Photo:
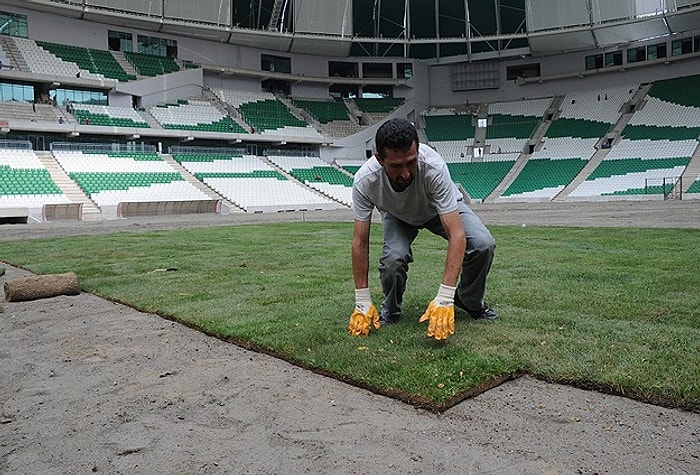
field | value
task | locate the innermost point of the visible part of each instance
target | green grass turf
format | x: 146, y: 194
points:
x: 617, y: 310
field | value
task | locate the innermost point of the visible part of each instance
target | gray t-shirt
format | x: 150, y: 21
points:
x: 431, y: 193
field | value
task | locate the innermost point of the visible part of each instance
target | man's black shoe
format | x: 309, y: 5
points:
x: 385, y: 319
x: 484, y: 313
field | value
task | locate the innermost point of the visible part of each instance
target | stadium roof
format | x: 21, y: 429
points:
x: 433, y: 30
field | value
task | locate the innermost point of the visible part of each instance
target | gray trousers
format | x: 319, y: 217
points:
x: 397, y: 255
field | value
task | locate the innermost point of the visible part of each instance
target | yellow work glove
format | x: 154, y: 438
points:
x: 364, y: 316
x: 441, y: 314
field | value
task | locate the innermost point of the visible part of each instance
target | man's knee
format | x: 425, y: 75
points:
x: 393, y: 264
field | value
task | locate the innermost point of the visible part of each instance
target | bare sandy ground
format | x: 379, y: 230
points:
x: 89, y: 386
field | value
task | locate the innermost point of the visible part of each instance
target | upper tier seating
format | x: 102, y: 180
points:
x: 41, y: 61
x: 513, y: 123
x: 195, y: 114
x: 111, y: 178
x: 92, y: 114
x: 265, y: 114
x: 323, y: 110
x: 332, y: 115
x: 380, y: 105
x: 599, y: 105
x: 25, y: 182
x: 448, y: 133
x: 582, y: 128
x: 151, y: 65
x: 566, y: 147
x: 99, y: 62
x: 376, y: 109
x: 671, y: 111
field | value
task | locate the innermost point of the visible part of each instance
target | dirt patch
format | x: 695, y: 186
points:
x: 93, y: 386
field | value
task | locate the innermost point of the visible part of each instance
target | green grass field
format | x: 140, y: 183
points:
x: 617, y: 310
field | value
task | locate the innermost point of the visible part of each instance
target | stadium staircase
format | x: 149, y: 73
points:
x: 226, y: 109
x: 690, y: 174
x: 587, y: 169
x: 508, y: 179
x: 289, y: 176
x: 125, y: 64
x: 69, y: 187
x: 13, y: 53
x: 167, y: 158
x: 149, y: 119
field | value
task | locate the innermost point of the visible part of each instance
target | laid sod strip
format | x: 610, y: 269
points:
x: 617, y: 310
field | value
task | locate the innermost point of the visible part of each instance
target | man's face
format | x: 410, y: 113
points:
x: 400, y: 166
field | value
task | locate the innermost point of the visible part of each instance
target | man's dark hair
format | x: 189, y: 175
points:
x: 395, y: 134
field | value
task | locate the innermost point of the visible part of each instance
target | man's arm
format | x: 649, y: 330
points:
x: 457, y: 243
x: 360, y: 253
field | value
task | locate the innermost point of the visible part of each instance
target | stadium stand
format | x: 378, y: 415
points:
x: 110, y: 178
x: 513, y: 123
x: 316, y: 174
x: 637, y: 168
x: 25, y: 181
x: 91, y: 114
x: 195, y: 114
x: 250, y: 183
x: 98, y: 62
x: 479, y: 179
x: 42, y: 61
x: 151, y: 65
x: 448, y: 133
x: 332, y: 116
x: 265, y: 114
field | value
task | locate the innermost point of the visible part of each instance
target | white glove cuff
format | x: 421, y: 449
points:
x: 445, y: 296
x: 363, y: 300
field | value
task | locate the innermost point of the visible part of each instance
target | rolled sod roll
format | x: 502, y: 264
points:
x: 41, y: 286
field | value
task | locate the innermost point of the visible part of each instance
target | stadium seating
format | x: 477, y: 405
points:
x: 316, y: 174
x: 25, y: 182
x: 479, y: 179
x: 265, y: 114
x: 598, y: 105
x: 448, y: 133
x: 92, y: 114
x: 111, y: 178
x: 251, y: 184
x: 543, y: 179
x: 42, y: 61
x: 636, y: 168
x: 151, y: 65
x: 99, y: 62
x: 350, y: 165
x: 195, y: 114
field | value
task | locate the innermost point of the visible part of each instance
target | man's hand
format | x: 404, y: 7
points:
x: 364, y: 316
x: 441, y: 314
